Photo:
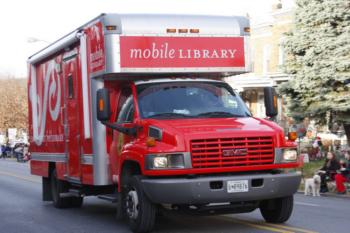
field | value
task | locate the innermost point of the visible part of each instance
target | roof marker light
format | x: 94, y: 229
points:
x: 182, y: 30
x: 194, y: 30
x: 111, y: 27
x: 170, y: 30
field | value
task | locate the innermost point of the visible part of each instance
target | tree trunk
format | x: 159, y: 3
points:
x: 347, y: 131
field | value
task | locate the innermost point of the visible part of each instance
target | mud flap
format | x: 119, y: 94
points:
x: 46, y: 189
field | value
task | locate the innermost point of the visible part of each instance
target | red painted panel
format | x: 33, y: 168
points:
x: 72, y: 94
x: 61, y: 169
x: 161, y: 52
x: 45, y: 100
x: 87, y: 174
x: 39, y: 168
x: 95, y: 47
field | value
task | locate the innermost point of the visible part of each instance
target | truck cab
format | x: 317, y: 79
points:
x: 134, y: 109
x: 192, y: 143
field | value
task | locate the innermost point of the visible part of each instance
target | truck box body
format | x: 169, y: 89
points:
x: 154, y: 76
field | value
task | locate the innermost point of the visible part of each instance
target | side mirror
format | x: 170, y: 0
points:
x: 103, y: 108
x: 270, y: 101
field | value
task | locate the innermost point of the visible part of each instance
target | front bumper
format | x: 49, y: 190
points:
x: 198, y: 190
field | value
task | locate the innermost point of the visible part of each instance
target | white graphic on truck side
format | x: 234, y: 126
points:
x: 52, y: 90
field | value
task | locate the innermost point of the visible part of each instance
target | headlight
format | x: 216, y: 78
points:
x: 285, y: 155
x: 168, y: 161
x: 290, y: 155
x: 160, y: 162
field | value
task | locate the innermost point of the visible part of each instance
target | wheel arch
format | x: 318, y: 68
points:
x: 128, y: 168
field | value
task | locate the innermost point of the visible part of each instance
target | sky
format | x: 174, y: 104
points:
x: 46, y: 20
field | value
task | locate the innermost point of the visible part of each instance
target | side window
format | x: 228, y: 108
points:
x: 126, y: 107
x: 70, y: 87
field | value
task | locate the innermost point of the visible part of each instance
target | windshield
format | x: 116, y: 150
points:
x: 189, y: 100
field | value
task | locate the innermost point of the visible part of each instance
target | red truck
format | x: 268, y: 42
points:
x: 133, y: 109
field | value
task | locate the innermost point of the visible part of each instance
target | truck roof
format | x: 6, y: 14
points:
x: 158, y: 23
x: 143, y: 24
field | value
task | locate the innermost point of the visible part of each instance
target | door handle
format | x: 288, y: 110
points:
x: 62, y: 115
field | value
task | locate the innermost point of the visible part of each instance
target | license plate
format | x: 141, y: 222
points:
x: 237, y: 186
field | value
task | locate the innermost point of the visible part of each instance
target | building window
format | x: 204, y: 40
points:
x: 266, y: 58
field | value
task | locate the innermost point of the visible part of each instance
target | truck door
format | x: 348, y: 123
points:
x: 72, y: 122
x: 125, y: 116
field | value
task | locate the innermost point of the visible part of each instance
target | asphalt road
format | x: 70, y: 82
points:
x: 22, y: 211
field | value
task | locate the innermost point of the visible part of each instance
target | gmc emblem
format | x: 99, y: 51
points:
x: 234, y: 152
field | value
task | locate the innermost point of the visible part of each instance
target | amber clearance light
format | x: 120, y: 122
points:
x: 182, y: 30
x: 194, y: 30
x: 151, y: 141
x: 171, y: 30
x: 101, y: 105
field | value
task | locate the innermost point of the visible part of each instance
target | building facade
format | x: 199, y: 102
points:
x: 267, y: 53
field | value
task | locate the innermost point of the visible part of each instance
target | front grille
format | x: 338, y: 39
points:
x: 232, y: 152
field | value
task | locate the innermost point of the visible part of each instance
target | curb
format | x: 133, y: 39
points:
x: 345, y: 196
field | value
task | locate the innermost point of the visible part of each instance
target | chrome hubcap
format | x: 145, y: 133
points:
x: 132, y: 204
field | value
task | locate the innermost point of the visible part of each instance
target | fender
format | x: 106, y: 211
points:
x: 129, y: 155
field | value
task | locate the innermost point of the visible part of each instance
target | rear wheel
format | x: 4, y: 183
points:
x: 277, y: 210
x: 76, y: 202
x: 58, y: 187
x: 140, y: 212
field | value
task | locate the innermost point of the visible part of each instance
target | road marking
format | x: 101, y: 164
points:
x: 290, y: 228
x: 270, y: 226
x: 307, y: 204
x: 20, y: 177
x: 258, y: 226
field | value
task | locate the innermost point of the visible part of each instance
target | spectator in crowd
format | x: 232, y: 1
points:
x: 343, y: 174
x: 318, y: 148
x: 18, y: 150
x: 328, y: 171
x: 5, y: 149
x: 339, y: 155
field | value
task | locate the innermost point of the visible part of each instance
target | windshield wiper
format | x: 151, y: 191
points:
x: 169, y: 115
x: 218, y: 114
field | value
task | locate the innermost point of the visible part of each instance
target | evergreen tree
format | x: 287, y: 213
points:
x: 318, y: 61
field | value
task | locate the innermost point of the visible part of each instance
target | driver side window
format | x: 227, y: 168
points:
x: 126, y: 107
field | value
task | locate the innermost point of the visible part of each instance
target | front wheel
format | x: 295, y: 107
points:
x: 140, y: 212
x: 277, y: 210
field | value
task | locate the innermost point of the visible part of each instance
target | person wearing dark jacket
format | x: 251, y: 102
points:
x: 328, y: 170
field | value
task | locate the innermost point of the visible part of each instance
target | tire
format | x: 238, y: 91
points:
x: 76, y: 202
x: 277, y: 210
x: 140, y: 212
x: 58, y: 187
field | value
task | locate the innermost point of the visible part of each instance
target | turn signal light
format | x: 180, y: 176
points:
x: 246, y: 29
x: 292, y: 136
x: 101, y: 105
x: 151, y: 141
